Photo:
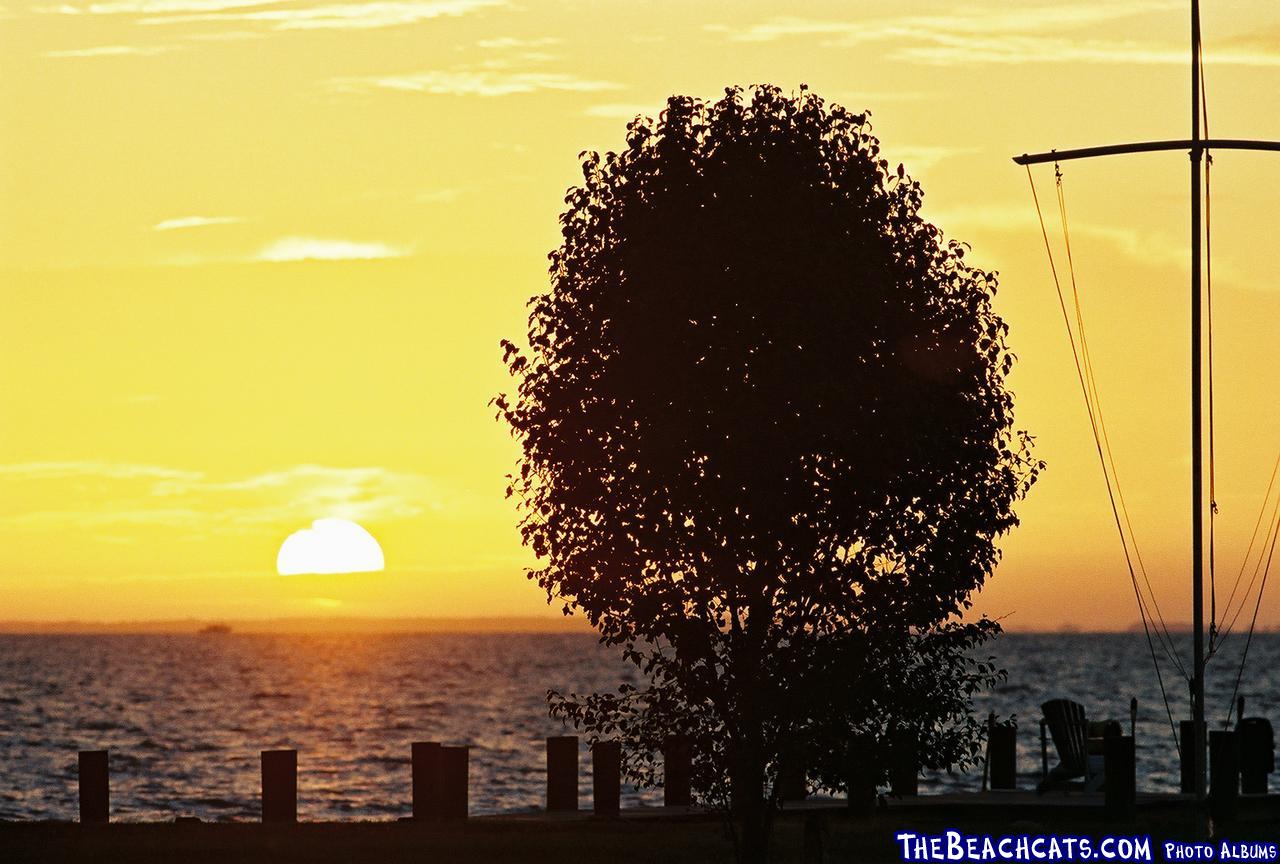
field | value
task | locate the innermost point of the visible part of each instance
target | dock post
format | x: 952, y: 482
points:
x: 1257, y: 754
x: 279, y: 785
x: 95, y: 787
x: 677, y: 772
x: 1121, y: 788
x: 606, y: 778
x: 426, y: 780
x: 454, y: 774
x: 1224, y: 774
x: 1190, y: 754
x: 562, y: 773
x: 904, y: 771
x: 1002, y: 747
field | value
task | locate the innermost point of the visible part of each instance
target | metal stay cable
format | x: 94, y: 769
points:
x: 1163, y: 632
x: 1244, y: 563
x: 1084, y: 389
x: 1257, y: 604
x: 1273, y: 527
x: 1215, y: 639
x: 1208, y: 272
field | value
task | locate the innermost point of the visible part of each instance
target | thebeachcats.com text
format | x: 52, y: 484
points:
x: 957, y: 846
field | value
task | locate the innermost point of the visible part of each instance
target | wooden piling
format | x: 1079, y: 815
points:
x: 454, y: 775
x: 1191, y: 753
x: 1257, y: 754
x: 95, y: 787
x: 426, y: 780
x: 279, y: 785
x: 1120, y: 784
x: 1002, y: 750
x: 562, y: 773
x: 606, y: 778
x: 1224, y: 775
x: 677, y: 772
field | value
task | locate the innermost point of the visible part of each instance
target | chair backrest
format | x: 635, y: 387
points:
x: 1070, y: 731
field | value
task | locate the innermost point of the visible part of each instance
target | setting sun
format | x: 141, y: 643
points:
x: 307, y: 212
x: 714, y: 376
x: 329, y: 546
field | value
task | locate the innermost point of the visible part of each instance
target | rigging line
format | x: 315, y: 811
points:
x: 1208, y: 267
x: 1066, y: 320
x: 1254, y: 623
x: 1204, y: 91
x: 1244, y: 564
x: 1213, y: 494
x: 1273, y: 528
x: 1167, y: 643
x: 1166, y: 639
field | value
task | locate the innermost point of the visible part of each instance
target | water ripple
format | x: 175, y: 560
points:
x: 186, y: 716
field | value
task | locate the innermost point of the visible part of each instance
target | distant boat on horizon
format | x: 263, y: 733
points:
x: 215, y: 630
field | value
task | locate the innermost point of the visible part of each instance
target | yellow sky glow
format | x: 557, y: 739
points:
x: 256, y: 257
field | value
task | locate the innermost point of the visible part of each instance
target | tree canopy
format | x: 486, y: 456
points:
x: 768, y: 446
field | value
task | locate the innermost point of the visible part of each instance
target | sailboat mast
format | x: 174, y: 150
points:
x: 1197, y: 433
x: 1198, y: 146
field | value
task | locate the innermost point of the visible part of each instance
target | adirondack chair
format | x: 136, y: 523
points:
x: 1080, y: 745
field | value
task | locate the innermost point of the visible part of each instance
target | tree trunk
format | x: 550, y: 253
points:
x: 749, y: 806
x: 754, y: 826
x: 747, y: 780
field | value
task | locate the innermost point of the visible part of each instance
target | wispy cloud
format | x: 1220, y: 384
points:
x: 224, y: 36
x: 108, y: 494
x: 113, y: 51
x: 622, y: 110
x: 276, y: 14
x: 476, y: 82
x: 437, y: 196
x: 318, y: 249
x: 337, y: 16
x: 1003, y: 34
x: 1012, y: 18
x: 503, y: 42
x: 89, y: 468
x: 922, y: 158
x: 1148, y: 248
x: 154, y: 7
x: 349, y: 493
x: 182, y: 222
x: 948, y: 50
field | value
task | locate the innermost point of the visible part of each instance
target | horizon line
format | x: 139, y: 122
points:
x: 303, y: 624
x: 405, y: 624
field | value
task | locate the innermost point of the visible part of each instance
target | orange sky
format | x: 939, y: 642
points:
x: 256, y: 257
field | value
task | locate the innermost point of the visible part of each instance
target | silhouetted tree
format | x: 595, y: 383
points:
x: 768, y: 447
